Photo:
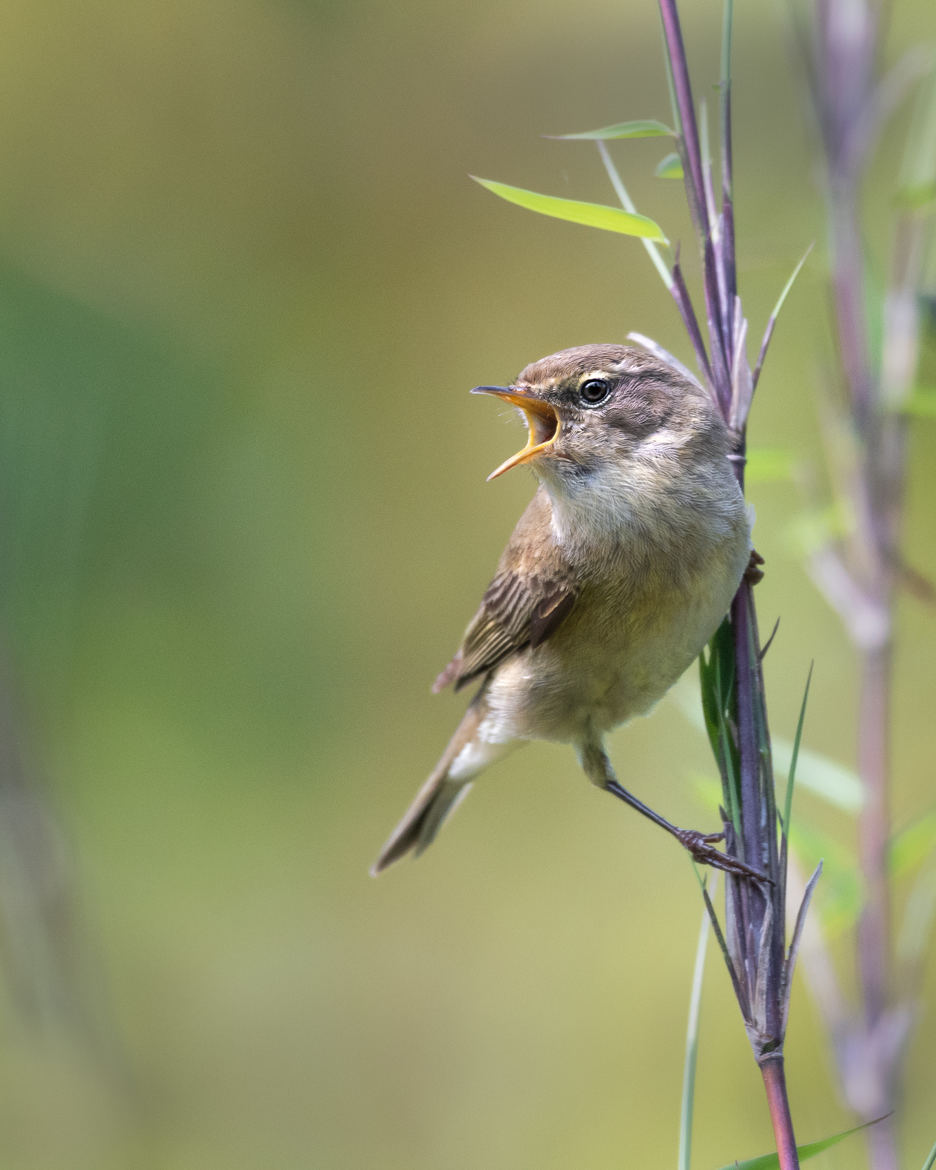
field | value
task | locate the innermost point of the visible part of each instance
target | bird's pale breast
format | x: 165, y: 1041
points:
x: 628, y: 640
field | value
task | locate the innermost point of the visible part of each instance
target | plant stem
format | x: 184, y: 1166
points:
x: 772, y: 1070
x: 874, y: 928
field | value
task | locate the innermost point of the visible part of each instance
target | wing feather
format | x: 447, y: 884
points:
x: 532, y: 593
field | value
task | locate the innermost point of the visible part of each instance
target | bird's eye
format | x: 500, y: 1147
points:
x: 593, y: 391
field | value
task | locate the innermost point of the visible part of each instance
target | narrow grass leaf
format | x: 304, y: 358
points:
x: 645, y: 128
x: 920, y: 198
x: 794, y: 756
x: 664, y: 355
x: 918, y: 170
x: 627, y: 203
x: 692, y: 1047
x: 913, y: 844
x: 739, y: 991
x: 775, y: 313
x: 931, y: 1160
x: 772, y: 1162
x: 916, y: 928
x: 727, y: 162
x: 842, y: 892
x: 825, y: 778
x: 670, y: 167
x: 598, y: 215
x: 790, y: 965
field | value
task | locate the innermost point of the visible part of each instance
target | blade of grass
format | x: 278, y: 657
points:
x: 644, y: 128
x: 772, y: 319
x: 726, y: 155
x: 723, y: 946
x: 664, y: 355
x: 692, y: 1047
x: 627, y: 203
x: 790, y: 964
x: 809, y: 1150
x: 791, y: 775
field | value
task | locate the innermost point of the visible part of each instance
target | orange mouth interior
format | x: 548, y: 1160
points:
x: 543, y: 423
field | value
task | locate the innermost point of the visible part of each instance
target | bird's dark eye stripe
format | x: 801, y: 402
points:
x: 594, y: 390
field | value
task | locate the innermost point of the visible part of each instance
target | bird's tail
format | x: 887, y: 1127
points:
x: 467, y: 753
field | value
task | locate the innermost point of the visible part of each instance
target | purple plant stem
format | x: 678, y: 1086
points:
x: 690, y: 133
x: 848, y: 295
x: 775, y: 1087
x: 874, y: 831
x: 755, y: 912
x: 870, y: 1042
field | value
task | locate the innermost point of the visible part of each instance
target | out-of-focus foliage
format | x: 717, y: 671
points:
x: 245, y: 284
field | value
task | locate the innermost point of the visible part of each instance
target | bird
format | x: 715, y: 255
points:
x: 617, y: 574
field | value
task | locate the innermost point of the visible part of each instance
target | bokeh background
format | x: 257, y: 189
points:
x: 245, y: 284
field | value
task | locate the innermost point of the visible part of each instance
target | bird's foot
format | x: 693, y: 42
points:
x: 754, y: 573
x: 702, y: 849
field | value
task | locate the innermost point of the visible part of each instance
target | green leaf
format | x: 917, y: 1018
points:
x: 916, y: 927
x: 647, y: 128
x: 775, y: 313
x: 669, y: 167
x: 772, y: 1162
x: 769, y: 465
x: 692, y: 1046
x: 913, y: 844
x: 788, y: 805
x: 841, y: 897
x: 931, y: 1160
x: 919, y: 198
x: 609, y: 219
x: 826, y: 778
x: 921, y: 403
x: 917, y: 184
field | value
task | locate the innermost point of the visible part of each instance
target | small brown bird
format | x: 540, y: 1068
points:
x: 616, y: 576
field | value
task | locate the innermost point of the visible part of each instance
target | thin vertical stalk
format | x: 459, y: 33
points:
x: 753, y: 943
x: 774, y: 1078
x: 689, y: 137
x: 874, y: 925
x: 859, y: 572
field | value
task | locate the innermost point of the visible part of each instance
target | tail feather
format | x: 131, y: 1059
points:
x: 435, y: 800
x: 444, y: 790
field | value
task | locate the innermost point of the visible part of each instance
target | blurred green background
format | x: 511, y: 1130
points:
x: 245, y: 284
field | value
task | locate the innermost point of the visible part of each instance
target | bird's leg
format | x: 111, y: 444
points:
x: 701, y: 846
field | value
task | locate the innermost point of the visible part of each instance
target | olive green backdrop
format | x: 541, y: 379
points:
x: 245, y: 285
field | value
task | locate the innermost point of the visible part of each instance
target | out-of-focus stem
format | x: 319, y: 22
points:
x: 874, y: 928
x: 848, y: 281
x: 876, y: 491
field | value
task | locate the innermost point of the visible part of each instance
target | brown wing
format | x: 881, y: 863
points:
x: 532, y: 593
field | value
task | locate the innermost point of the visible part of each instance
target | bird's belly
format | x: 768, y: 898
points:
x: 606, y: 667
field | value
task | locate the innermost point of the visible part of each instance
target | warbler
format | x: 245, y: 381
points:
x: 617, y: 574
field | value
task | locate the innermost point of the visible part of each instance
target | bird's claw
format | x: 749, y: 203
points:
x: 754, y: 573
x: 702, y: 849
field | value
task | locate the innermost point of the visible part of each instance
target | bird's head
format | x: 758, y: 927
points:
x: 609, y: 411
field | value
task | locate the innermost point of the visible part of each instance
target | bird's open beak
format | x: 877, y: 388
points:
x: 540, y: 418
